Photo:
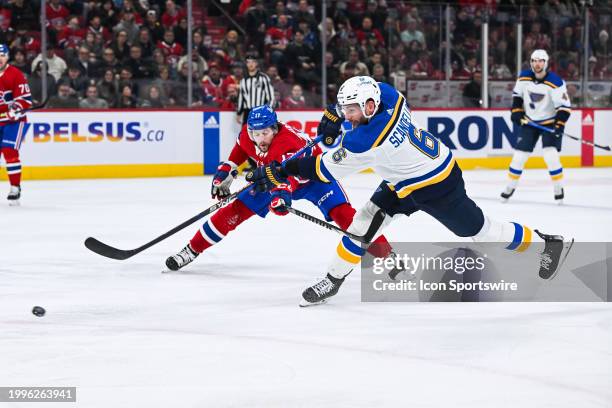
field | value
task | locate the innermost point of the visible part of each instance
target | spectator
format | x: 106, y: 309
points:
x: 423, y: 68
x: 199, y: 46
x: 57, y: 14
x: 180, y: 32
x: 140, y: 67
x: 107, y: 87
x: 471, y: 66
x: 231, y: 100
x: 108, y: 62
x: 411, y: 33
x: 378, y: 73
x: 391, y: 33
x: 498, y: 70
x: 94, y: 45
x: 472, y: 92
x: 234, y: 78
x: 172, y: 50
x: 71, y: 35
x: 23, y: 14
x: 231, y: 47
x: 128, y: 25
x: 145, y: 42
x: 19, y: 61
x: 211, y: 87
x: 26, y: 43
x: 120, y: 45
x: 200, y: 64
x: 159, y: 62
x: 154, y: 26
x: 126, y: 99
x: 92, y: 101
x: 331, y: 68
x: 367, y: 28
x: 153, y: 98
x: 255, y: 17
x: 255, y: 90
x: 353, y: 58
x: 295, y: 100
x: 277, y: 82
x: 377, y: 14
x: 179, y: 91
x: 172, y: 15
x: 35, y: 81
x: 305, y: 14
x: 96, y: 27
x: 277, y: 38
x: 301, y: 58
x: 57, y: 66
x: 602, y: 47
x: 87, y: 62
x: 65, y: 98
x: 75, y: 79
x: 165, y: 83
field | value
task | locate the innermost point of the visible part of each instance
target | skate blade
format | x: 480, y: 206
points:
x: 14, y: 203
x: 560, y: 202
x: 503, y: 200
x: 567, y: 246
x: 305, y: 303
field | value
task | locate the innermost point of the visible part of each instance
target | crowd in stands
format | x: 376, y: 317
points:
x: 133, y: 53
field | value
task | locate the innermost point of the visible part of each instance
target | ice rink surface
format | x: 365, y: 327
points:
x: 227, y: 331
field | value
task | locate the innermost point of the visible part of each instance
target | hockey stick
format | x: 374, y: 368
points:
x: 31, y: 108
x: 108, y: 251
x: 586, y: 142
x: 365, y: 239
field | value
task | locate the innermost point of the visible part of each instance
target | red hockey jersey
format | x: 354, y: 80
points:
x: 287, y: 141
x: 14, y: 90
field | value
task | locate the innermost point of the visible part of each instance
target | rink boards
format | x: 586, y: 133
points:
x: 109, y: 144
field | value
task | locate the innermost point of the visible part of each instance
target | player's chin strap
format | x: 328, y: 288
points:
x: 110, y: 252
x: 545, y: 129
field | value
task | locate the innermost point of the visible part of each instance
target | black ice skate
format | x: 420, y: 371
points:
x: 184, y: 257
x: 320, y: 291
x: 559, y: 195
x: 14, y: 195
x: 554, y: 254
x: 507, y: 193
x: 399, y: 268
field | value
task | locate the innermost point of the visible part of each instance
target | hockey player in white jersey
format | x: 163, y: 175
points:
x: 539, y: 96
x: 419, y: 173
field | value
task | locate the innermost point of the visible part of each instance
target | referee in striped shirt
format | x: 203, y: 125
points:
x: 255, y: 90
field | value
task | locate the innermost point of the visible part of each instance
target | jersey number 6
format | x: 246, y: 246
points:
x: 425, y: 142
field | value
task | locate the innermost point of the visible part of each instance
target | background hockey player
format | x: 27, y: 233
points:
x: 539, y: 96
x: 14, y: 98
x: 419, y: 173
x: 264, y: 139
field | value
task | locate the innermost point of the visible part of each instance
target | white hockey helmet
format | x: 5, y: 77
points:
x: 359, y: 90
x: 539, y: 55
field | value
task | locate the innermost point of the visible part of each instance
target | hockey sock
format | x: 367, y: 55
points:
x: 219, y: 225
x: 553, y: 162
x: 13, y: 165
x: 343, y: 216
x: 516, y: 167
x: 518, y: 236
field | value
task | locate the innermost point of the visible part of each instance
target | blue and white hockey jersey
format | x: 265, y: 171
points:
x: 541, y: 99
x: 405, y: 156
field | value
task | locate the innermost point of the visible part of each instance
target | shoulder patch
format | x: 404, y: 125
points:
x: 526, y: 75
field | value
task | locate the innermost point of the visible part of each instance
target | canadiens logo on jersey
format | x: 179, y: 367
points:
x: 6, y: 97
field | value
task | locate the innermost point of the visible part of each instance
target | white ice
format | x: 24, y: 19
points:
x: 227, y: 332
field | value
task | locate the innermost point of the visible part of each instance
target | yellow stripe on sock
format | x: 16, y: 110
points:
x: 346, y: 255
x: 557, y: 176
x: 526, y: 240
x: 514, y: 176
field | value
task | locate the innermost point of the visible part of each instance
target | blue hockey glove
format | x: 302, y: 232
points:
x: 267, y: 177
x: 226, y: 173
x: 281, y: 199
x: 330, y: 125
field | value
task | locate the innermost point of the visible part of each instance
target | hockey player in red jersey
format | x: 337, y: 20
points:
x: 14, y: 99
x: 264, y: 139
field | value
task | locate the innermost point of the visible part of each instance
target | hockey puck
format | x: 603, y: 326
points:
x: 38, y: 311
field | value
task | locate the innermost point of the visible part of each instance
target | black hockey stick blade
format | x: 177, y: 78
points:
x: 108, y: 251
x: 365, y: 239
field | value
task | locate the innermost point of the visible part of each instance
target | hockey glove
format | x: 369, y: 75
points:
x: 15, y: 113
x: 281, y: 199
x: 226, y: 173
x: 330, y: 125
x: 517, y: 117
x: 559, y: 129
x: 268, y: 177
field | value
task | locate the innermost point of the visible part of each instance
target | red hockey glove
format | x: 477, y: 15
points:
x: 281, y: 199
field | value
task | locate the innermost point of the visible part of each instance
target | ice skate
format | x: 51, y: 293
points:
x: 14, y: 195
x: 506, y: 194
x: 554, y: 254
x: 399, y: 268
x: 559, y: 195
x: 184, y: 257
x: 320, y: 291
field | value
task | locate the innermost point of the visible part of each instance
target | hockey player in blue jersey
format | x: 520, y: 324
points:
x: 419, y: 173
x: 539, y: 96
